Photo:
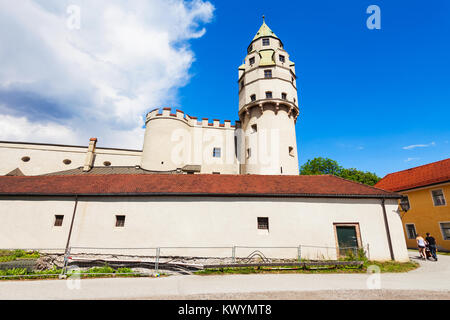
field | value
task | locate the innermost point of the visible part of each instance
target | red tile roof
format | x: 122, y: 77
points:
x: 202, y: 184
x: 422, y: 176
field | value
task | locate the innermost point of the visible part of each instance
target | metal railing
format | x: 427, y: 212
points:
x: 149, y: 261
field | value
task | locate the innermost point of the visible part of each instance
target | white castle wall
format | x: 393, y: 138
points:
x: 174, y: 140
x: 47, y: 158
x: 200, y: 221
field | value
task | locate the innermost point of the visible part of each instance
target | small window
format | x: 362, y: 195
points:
x: 107, y: 164
x: 67, y: 161
x: 445, y: 227
x: 266, y: 42
x: 217, y: 152
x: 253, y: 97
x: 250, y: 48
x: 268, y: 95
x: 284, y: 96
x: 242, y: 85
x: 281, y: 45
x: 438, y: 197
x: 267, y: 73
x: 26, y: 159
x: 410, y: 231
x: 254, y: 128
x: 249, y: 153
x: 252, y: 60
x: 58, y: 220
x: 282, y: 58
x: 120, y: 221
x: 216, y: 172
x: 291, y: 151
x: 263, y: 223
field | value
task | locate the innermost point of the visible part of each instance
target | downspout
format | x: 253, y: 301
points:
x: 388, y: 233
x: 71, y: 224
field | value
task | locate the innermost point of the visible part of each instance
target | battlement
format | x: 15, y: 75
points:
x: 167, y: 113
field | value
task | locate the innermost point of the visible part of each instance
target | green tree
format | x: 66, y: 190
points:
x: 328, y: 166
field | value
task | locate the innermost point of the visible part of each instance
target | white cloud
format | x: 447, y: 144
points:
x: 412, y: 159
x: 419, y: 146
x: 127, y: 58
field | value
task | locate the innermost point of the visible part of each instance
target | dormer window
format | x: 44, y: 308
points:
x: 252, y: 60
x: 282, y: 58
x: 268, y: 94
x: 266, y: 42
x: 267, y: 73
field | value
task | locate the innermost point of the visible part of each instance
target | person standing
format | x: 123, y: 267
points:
x: 431, y: 245
x: 421, y: 244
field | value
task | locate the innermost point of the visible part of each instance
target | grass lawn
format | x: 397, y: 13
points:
x: 389, y: 266
x: 8, y: 255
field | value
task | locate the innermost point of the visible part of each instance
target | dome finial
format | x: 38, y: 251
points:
x: 264, y: 19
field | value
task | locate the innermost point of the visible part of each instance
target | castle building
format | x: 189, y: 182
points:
x: 262, y: 141
x: 169, y: 194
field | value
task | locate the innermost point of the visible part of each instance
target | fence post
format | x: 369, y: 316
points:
x: 66, y: 261
x: 158, y: 252
x: 299, y: 253
x: 233, y: 254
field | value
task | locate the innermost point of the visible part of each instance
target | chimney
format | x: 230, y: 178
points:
x: 90, y: 155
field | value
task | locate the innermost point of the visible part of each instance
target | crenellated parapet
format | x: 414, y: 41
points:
x: 169, y: 114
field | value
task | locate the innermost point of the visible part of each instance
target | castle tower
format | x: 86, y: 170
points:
x: 268, y: 107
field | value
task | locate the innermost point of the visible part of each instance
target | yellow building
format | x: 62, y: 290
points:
x: 427, y: 191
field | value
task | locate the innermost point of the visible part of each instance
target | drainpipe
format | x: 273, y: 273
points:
x: 388, y: 233
x: 71, y: 224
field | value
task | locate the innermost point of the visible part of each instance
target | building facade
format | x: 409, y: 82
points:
x: 427, y: 191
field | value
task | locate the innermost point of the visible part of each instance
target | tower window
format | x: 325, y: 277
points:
x: 268, y: 95
x: 284, y: 96
x: 252, y: 60
x: 250, y: 48
x: 217, y: 152
x: 266, y: 42
x: 282, y: 59
x: 58, y: 220
x: 267, y: 73
x: 107, y: 164
x: 120, y: 221
x: 249, y: 153
x: 254, y: 128
x: 242, y: 84
x: 263, y: 223
x: 291, y: 151
x: 253, y: 97
x: 26, y: 159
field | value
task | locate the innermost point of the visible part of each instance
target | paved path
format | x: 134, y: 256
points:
x: 432, y: 280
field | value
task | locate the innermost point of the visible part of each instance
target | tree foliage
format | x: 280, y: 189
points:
x: 320, y: 165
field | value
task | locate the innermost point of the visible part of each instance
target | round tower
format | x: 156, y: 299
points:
x: 268, y: 107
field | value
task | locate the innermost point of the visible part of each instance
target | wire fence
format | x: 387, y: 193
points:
x: 151, y: 261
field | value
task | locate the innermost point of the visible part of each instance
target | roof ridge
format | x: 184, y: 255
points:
x: 366, y: 185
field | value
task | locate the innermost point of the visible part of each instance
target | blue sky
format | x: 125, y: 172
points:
x: 364, y: 94
x: 376, y: 100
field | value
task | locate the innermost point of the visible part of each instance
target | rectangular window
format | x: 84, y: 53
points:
x: 249, y: 153
x: 217, y: 152
x: 266, y: 42
x: 282, y: 59
x: 216, y: 172
x: 242, y: 85
x: 267, y: 73
x: 58, y: 220
x: 254, y: 128
x: 348, y: 238
x: 438, y: 197
x: 445, y: 227
x: 253, y: 97
x: 410, y: 231
x: 284, y: 96
x: 263, y: 223
x: 268, y: 95
x: 291, y: 151
x: 252, y: 60
x: 120, y: 221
